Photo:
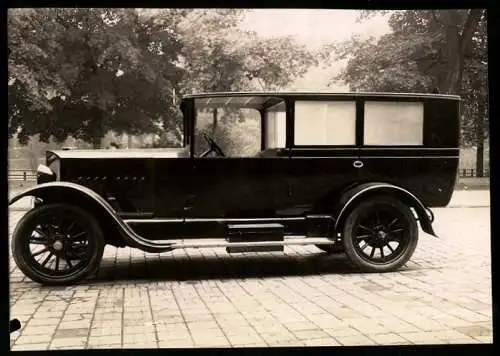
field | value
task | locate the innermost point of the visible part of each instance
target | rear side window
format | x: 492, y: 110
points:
x: 394, y: 123
x: 325, y: 123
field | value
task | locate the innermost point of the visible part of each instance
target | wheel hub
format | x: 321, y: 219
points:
x: 58, y: 245
x: 382, y: 234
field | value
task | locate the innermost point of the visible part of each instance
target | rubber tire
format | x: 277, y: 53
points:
x: 24, y: 227
x: 336, y: 249
x: 350, y: 222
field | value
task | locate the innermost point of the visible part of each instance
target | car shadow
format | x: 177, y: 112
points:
x: 195, y: 268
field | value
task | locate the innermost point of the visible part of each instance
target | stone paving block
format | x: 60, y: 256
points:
x: 421, y: 337
x: 487, y: 339
x: 104, y: 346
x: 387, y: 339
x: 143, y: 337
x: 355, y: 340
x: 140, y: 345
x: 30, y: 347
x: 77, y: 317
x: 199, y: 326
x: 239, y: 330
x: 132, y: 330
x: 474, y: 330
x: 245, y: 338
x: 39, y: 330
x: 310, y: 334
x: 467, y: 340
x: 175, y: 344
x: 321, y: 342
x: 71, y: 333
x: 105, y: 331
x: 300, y: 326
x: 272, y: 338
x: 74, y: 342
x: 94, y: 341
x: 402, y: 327
x: 453, y: 322
x: 33, y: 339
x: 197, y: 317
x: 208, y: 333
x: 342, y: 332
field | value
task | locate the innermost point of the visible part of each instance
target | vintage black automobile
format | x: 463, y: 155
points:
x: 350, y: 173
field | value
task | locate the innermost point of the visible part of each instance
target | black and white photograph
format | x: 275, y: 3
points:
x: 242, y: 178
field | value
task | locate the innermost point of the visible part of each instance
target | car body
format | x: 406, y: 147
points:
x: 322, y: 160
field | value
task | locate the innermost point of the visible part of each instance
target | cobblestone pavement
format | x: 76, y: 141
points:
x: 207, y: 298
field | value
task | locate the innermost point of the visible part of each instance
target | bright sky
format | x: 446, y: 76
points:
x: 314, y: 28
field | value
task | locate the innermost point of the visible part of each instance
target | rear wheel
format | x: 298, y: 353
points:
x: 380, y: 234
x: 57, y: 244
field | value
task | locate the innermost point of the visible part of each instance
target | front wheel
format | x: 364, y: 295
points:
x: 57, y: 244
x: 380, y: 234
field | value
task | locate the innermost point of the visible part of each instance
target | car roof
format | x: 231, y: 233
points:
x: 318, y: 94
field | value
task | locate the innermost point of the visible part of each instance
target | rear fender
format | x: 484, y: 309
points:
x: 354, y: 195
x: 66, y: 191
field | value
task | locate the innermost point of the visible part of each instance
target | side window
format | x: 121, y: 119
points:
x: 394, y: 123
x: 276, y: 129
x: 325, y: 123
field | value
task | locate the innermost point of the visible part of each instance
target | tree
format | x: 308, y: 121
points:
x: 427, y: 51
x: 81, y: 72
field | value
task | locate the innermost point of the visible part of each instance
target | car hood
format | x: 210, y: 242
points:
x: 123, y: 153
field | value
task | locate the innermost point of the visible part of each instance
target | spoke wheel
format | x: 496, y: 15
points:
x: 380, y: 234
x: 57, y: 244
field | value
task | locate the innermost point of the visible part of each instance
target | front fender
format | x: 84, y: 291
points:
x: 350, y: 198
x: 101, y: 206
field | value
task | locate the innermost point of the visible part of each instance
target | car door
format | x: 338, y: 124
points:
x: 325, y: 151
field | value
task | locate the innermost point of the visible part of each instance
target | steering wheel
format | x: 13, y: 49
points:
x: 213, y: 146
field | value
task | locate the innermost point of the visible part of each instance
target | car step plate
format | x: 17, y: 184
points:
x: 288, y: 241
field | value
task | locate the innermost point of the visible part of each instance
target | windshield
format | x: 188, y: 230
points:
x: 236, y: 131
x: 235, y: 124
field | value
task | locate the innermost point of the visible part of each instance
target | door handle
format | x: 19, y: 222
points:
x: 357, y: 164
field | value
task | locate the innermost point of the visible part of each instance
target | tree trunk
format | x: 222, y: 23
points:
x: 214, y: 121
x: 480, y: 141
x: 129, y: 141
x: 480, y: 159
x: 458, y: 40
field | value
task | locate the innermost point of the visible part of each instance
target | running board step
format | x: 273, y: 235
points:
x: 254, y: 233
x: 288, y: 241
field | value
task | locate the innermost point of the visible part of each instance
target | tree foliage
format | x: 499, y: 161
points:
x: 83, y: 72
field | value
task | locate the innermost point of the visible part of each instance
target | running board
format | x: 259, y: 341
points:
x: 288, y: 241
